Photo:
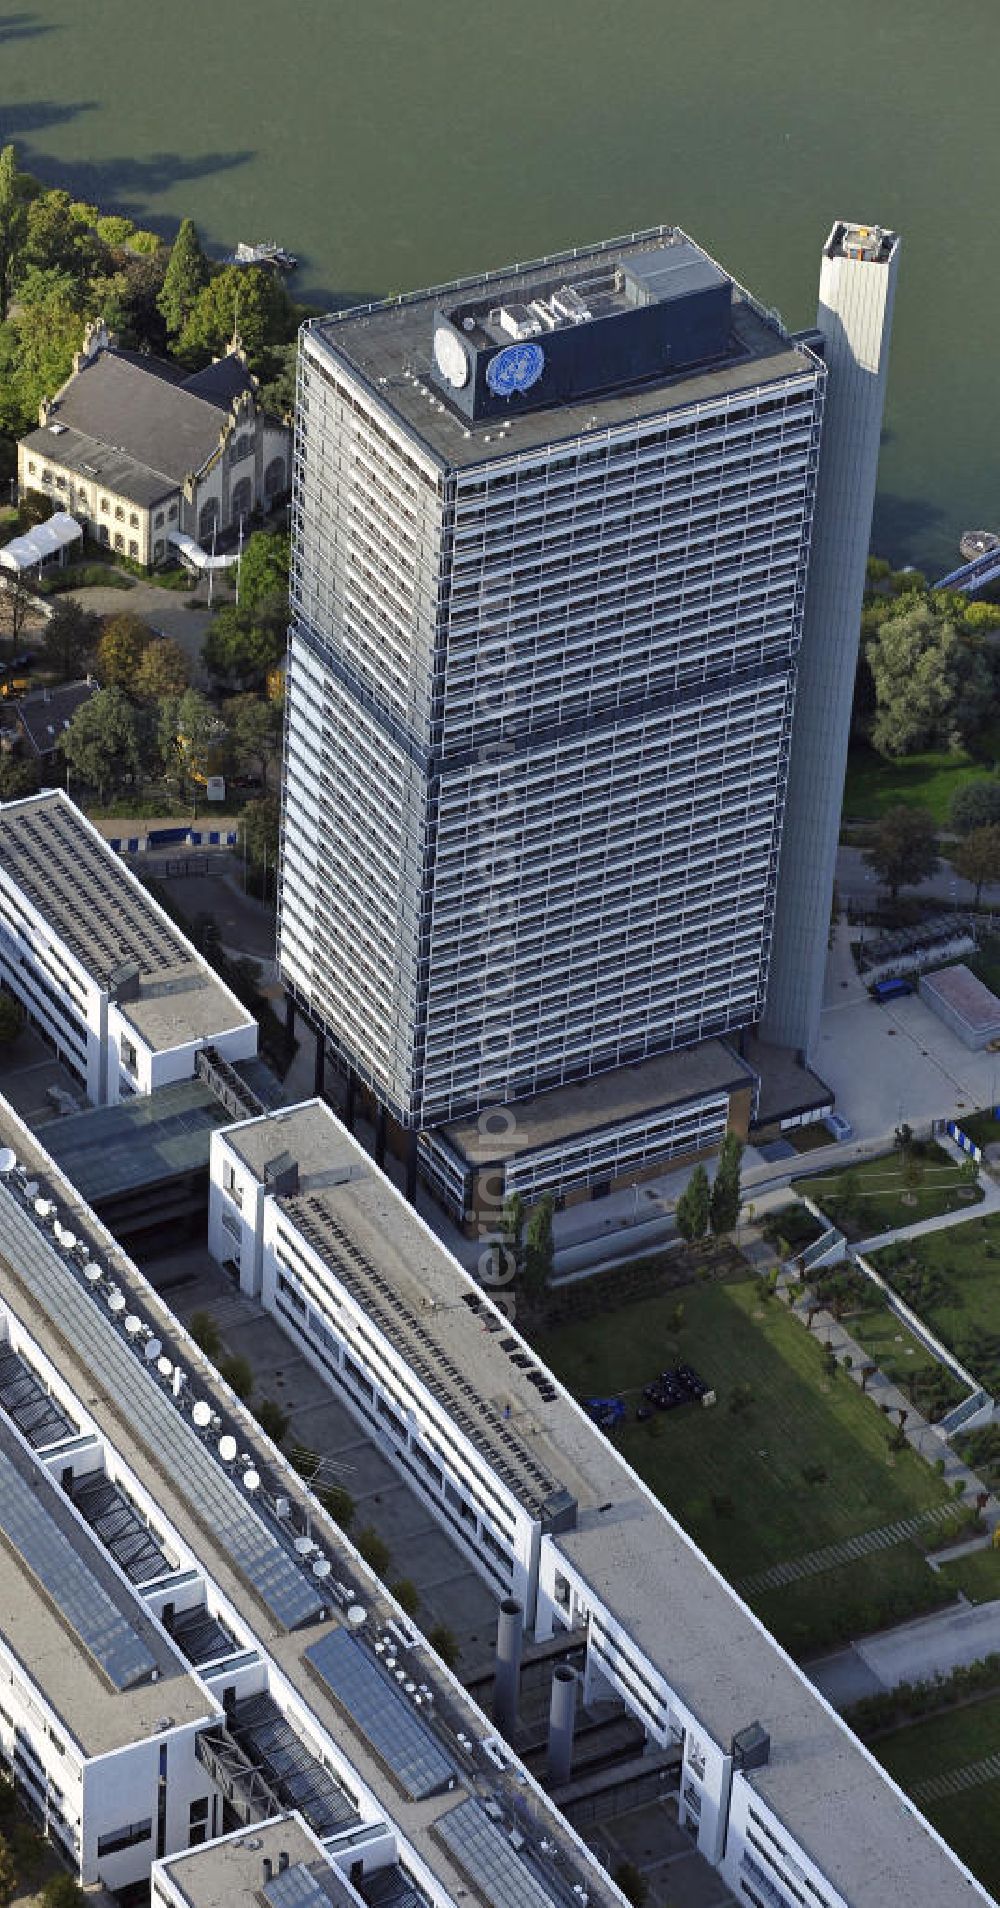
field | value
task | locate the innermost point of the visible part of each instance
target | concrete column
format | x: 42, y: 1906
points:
x: 380, y: 1137
x: 411, y: 1166
x: 507, y: 1674
x: 562, y: 1717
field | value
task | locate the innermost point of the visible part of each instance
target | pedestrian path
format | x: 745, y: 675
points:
x: 847, y: 1550
x: 971, y: 1776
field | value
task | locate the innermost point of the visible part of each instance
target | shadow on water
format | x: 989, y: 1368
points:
x: 35, y: 115
x: 23, y: 26
x: 911, y: 529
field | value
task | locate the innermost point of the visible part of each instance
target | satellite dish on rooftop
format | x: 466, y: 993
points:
x: 356, y: 1615
x: 251, y: 1480
x: 43, y: 1207
x: 57, y: 1228
x: 304, y: 1545
x: 8, y: 1159
x: 68, y: 1239
x: 133, y: 1324
x: 93, y: 1275
x: 152, y: 1350
x: 116, y: 1301
x: 201, y: 1414
x: 164, y: 1367
x: 227, y: 1448
x: 321, y: 1568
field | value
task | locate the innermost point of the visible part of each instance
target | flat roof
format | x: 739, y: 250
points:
x: 40, y: 1625
x: 828, y: 1791
x: 140, y: 1142
x: 95, y: 905
x: 969, y: 997
x: 786, y: 1085
x: 389, y: 344
x: 48, y: 1323
x: 229, y: 1873
x: 604, y: 1100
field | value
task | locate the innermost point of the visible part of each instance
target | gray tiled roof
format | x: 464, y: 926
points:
x: 131, y: 407
x: 44, y: 715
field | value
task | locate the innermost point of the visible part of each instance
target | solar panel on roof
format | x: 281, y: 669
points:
x: 75, y: 1591
x: 171, y: 1440
x: 296, y: 1887
x: 489, y: 1859
x: 384, y: 1714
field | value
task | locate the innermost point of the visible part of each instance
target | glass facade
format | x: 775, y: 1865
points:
x: 539, y: 708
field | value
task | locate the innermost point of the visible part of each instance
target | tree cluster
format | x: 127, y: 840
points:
x: 926, y: 674
x: 716, y: 1207
x: 64, y: 262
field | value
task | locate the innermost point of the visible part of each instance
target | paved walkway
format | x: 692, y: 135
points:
x: 848, y: 1550
x: 971, y: 1776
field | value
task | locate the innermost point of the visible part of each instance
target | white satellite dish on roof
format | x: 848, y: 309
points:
x: 251, y: 1480
x: 177, y: 1381
x: 133, y: 1324
x: 227, y: 1448
x: 68, y: 1239
x: 164, y: 1367
x: 304, y: 1546
x: 43, y: 1207
x: 8, y: 1159
x: 201, y: 1414
x: 152, y: 1350
x: 356, y: 1615
x: 116, y: 1301
x: 93, y: 1275
x: 57, y: 1228
x: 321, y: 1568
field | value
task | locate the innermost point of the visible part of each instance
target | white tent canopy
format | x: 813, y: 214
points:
x: 45, y: 541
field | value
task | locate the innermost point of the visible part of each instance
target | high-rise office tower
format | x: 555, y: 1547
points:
x: 856, y: 292
x: 551, y: 539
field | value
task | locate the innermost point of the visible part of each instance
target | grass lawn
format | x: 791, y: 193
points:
x: 923, y: 781
x: 970, y: 1821
x: 952, y: 1281
x: 874, y: 1196
x: 977, y: 1575
x: 739, y: 1481
x: 928, y: 1384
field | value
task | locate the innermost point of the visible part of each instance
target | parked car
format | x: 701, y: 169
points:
x: 892, y: 989
x: 836, y: 1124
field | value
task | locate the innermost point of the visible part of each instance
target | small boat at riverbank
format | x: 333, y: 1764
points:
x: 975, y: 543
x: 266, y: 253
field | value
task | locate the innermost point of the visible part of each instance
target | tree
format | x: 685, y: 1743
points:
x: 200, y: 734
x: 61, y: 1891
x: 123, y: 642
x: 445, y: 1644
x: 273, y: 1420
x: 250, y: 302
x: 977, y: 857
x: 16, y: 606
x: 238, y: 1375
x: 632, y: 1883
x: 339, y: 1503
x: 693, y: 1207
x: 9, y: 1878
x: 933, y: 682
x: 102, y: 742
x: 254, y: 727
x: 37, y: 344
x: 13, y: 224
x: 407, y: 1595
x: 539, y: 1250
x: 70, y: 638
x: 903, y: 848
x: 163, y: 671
x: 185, y: 277
x: 373, y: 1549
x: 977, y: 805
x: 11, y: 1018
x: 512, y: 1224
x: 204, y: 1329
x: 242, y: 646
x: 264, y: 568
x: 258, y: 831
x: 724, y: 1210
x: 17, y: 778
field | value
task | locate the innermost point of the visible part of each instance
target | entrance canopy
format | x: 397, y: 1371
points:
x: 45, y: 543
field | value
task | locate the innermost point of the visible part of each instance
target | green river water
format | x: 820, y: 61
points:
x: 393, y: 143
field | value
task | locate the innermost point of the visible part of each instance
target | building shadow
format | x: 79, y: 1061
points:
x: 910, y: 530
x: 23, y: 26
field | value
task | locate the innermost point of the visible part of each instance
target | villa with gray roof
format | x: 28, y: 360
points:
x: 135, y: 448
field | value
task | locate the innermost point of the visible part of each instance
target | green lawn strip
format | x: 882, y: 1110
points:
x: 922, y: 781
x: 929, y: 1385
x: 836, y: 1606
x: 951, y: 1279
x: 969, y: 1824
x: 736, y: 1479
x: 941, y: 1743
x: 874, y: 1196
x: 976, y: 1575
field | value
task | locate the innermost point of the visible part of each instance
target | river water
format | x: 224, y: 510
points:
x: 393, y: 143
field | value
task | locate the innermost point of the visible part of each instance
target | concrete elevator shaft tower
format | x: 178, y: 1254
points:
x: 856, y: 292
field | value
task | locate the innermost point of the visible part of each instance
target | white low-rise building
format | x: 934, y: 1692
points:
x: 100, y: 967
x: 777, y: 1791
x: 190, y: 1649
